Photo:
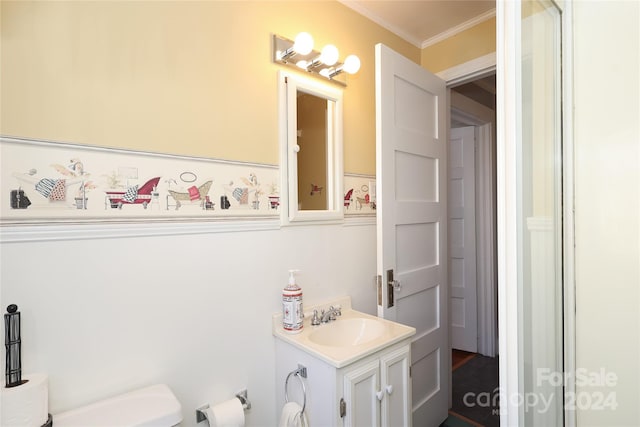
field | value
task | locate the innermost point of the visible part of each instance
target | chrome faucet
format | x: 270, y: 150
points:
x: 330, y: 314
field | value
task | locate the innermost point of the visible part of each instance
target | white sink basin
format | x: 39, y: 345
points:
x: 348, y: 332
x: 344, y: 340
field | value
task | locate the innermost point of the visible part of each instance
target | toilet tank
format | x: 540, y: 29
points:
x: 150, y: 406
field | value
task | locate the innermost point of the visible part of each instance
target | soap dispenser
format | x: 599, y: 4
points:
x: 292, y: 312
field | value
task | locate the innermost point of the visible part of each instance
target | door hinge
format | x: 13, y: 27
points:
x: 379, y: 288
x: 343, y: 408
x: 409, y: 371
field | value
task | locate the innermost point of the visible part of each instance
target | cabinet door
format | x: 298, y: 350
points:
x: 395, y: 384
x: 362, y: 393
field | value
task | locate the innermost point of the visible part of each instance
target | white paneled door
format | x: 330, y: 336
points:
x: 462, y: 239
x: 411, y: 168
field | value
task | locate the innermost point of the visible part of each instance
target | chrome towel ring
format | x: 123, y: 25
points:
x: 301, y: 373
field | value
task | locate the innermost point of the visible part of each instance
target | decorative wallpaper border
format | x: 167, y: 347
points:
x: 44, y: 182
x: 59, y: 181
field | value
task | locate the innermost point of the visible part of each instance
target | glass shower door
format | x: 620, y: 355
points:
x: 530, y: 213
x: 540, y: 215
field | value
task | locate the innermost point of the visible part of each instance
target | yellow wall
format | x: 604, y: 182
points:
x: 192, y: 78
x: 472, y: 43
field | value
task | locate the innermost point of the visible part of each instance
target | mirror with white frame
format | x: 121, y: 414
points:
x: 311, y: 150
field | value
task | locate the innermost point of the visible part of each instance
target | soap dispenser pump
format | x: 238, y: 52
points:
x: 292, y: 312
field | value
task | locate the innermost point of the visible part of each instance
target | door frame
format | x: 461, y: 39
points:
x: 467, y: 111
x: 508, y: 334
x: 488, y: 328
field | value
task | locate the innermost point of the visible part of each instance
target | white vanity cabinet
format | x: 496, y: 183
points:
x: 377, y: 391
x: 357, y: 369
x: 373, y: 391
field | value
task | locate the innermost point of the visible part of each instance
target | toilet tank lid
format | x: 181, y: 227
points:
x: 155, y: 405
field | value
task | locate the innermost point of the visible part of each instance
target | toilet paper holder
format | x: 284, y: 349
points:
x: 201, y: 412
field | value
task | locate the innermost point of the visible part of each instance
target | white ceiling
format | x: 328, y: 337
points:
x: 424, y: 22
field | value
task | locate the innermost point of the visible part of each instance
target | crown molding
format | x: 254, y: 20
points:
x: 408, y: 37
x: 381, y: 21
x: 459, y: 28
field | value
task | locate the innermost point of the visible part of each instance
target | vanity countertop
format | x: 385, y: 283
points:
x: 350, y: 337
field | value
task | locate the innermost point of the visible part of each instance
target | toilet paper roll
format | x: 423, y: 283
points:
x: 26, y: 405
x: 226, y: 414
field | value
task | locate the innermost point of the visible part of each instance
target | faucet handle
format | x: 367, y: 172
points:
x: 315, y: 320
x: 332, y: 313
x: 325, y: 316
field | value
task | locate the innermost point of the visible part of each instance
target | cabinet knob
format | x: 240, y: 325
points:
x: 380, y: 394
x: 389, y: 389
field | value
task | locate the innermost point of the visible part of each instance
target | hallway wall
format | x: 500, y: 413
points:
x: 607, y: 197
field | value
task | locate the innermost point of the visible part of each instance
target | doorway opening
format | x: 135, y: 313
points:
x: 473, y: 251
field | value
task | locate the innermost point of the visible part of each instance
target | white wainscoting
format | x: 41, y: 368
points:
x: 106, y: 313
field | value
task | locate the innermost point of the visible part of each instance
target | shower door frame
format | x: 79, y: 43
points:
x: 508, y: 21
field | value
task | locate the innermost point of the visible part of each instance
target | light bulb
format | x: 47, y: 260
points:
x: 302, y: 64
x: 303, y: 43
x: 351, y: 64
x: 329, y: 54
x: 326, y: 72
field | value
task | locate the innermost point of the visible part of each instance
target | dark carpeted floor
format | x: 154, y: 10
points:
x: 475, y: 391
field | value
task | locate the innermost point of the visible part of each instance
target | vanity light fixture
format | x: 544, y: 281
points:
x: 299, y: 53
